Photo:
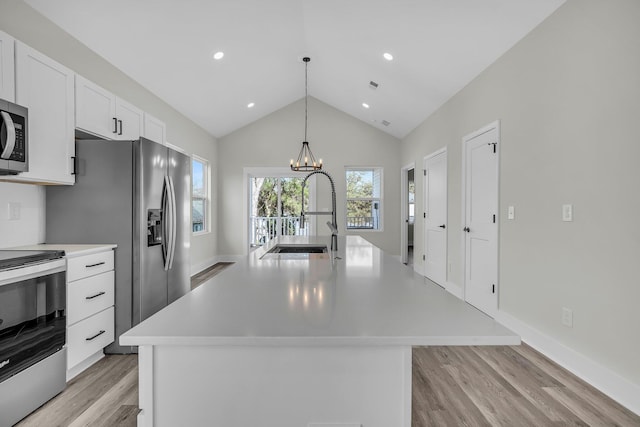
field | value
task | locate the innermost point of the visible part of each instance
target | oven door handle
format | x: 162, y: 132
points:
x: 19, y: 274
x: 10, y: 143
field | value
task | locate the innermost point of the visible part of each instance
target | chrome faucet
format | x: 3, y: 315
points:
x: 333, y: 224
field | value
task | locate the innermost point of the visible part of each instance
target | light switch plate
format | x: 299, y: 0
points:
x: 567, y: 212
x: 511, y: 212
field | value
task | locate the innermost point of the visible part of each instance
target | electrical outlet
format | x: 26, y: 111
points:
x: 567, y: 212
x: 567, y: 317
x: 13, y: 211
x: 511, y: 212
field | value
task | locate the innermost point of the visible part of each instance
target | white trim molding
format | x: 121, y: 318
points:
x: 602, y: 378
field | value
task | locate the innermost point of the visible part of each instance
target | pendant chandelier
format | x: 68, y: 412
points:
x: 306, y: 162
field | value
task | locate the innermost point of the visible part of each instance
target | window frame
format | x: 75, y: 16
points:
x: 206, y: 217
x: 380, y: 199
x: 275, y: 172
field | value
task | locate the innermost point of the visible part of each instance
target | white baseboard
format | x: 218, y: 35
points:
x: 610, y: 383
x: 454, y: 289
x: 85, y: 364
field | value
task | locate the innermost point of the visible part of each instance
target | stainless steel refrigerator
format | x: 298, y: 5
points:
x: 135, y: 194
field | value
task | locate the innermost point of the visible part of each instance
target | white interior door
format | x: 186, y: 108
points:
x: 435, y: 217
x: 480, y: 218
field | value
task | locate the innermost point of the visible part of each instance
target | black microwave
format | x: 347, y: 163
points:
x: 14, y: 141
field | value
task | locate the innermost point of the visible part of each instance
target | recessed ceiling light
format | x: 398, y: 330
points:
x: 365, y: 105
x: 251, y: 104
x: 218, y: 55
x: 388, y: 56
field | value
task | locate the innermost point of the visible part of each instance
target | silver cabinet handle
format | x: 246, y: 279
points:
x: 96, y: 295
x: 95, y: 336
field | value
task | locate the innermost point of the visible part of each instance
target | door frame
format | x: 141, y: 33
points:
x: 491, y: 126
x: 426, y: 158
x: 404, y: 214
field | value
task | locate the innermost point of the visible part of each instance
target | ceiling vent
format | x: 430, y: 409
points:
x: 373, y: 85
x: 386, y: 123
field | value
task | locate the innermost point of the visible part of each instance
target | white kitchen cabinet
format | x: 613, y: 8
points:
x: 90, y: 309
x: 95, y: 109
x: 130, y: 120
x: 100, y: 113
x: 7, y: 68
x: 155, y: 129
x: 45, y: 87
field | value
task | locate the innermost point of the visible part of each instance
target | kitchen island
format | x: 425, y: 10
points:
x: 299, y: 340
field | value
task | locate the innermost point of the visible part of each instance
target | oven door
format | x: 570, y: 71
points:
x: 32, y: 315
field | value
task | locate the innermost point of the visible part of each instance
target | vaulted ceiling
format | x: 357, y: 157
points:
x: 167, y: 46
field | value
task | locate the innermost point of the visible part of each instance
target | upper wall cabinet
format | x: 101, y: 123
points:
x: 155, y: 129
x: 102, y: 114
x: 7, y: 67
x: 45, y: 87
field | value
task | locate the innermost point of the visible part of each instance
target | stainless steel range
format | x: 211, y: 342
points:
x: 32, y: 331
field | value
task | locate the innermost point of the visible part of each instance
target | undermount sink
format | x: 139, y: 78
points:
x: 295, y: 250
x: 298, y: 249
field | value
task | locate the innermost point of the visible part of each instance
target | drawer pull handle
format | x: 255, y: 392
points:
x: 94, y: 265
x: 95, y: 336
x: 95, y: 296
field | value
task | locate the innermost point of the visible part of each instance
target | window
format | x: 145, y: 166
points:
x: 275, y: 205
x: 199, y: 195
x: 364, y: 198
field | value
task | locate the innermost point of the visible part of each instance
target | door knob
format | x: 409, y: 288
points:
x: 466, y: 229
x: 442, y: 226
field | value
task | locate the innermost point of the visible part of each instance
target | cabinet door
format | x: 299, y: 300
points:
x: 154, y: 129
x: 130, y: 119
x: 95, y: 109
x: 7, y: 67
x: 45, y: 87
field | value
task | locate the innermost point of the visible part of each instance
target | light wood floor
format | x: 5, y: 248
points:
x: 104, y: 395
x: 452, y: 386
x: 204, y: 275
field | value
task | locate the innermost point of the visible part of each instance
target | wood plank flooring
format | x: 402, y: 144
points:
x: 106, y: 394
x: 504, y: 386
x: 452, y: 386
x: 204, y: 275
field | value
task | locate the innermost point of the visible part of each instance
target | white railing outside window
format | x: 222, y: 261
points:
x: 263, y: 228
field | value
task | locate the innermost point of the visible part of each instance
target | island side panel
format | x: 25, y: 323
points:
x: 145, y: 385
x: 284, y: 386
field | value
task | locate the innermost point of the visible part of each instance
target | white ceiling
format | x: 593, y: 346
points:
x: 167, y: 45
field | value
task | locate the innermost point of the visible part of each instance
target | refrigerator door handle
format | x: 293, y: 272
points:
x: 166, y: 238
x: 172, y: 223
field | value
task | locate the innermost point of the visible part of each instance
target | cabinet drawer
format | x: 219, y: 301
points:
x: 88, y: 296
x: 89, y: 265
x: 88, y: 336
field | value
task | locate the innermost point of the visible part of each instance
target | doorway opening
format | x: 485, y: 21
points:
x: 275, y: 204
x: 407, y: 213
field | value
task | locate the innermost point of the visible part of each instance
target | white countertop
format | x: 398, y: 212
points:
x: 69, y: 250
x: 364, y: 298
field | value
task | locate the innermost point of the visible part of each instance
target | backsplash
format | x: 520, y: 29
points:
x: 28, y: 203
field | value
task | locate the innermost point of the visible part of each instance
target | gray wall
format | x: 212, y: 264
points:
x: 339, y: 139
x: 568, y: 98
x: 25, y: 24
